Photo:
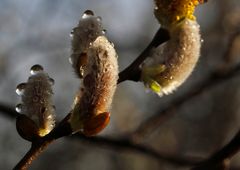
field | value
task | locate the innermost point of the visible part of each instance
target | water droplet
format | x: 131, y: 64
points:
x: 177, y: 18
x: 70, y: 60
x: 20, y: 88
x: 99, y: 19
x: 71, y: 33
x: 104, y: 31
x: 49, y: 117
x: 112, y: 44
x: 52, y: 81
x: 87, y: 14
x: 36, y: 69
x: 81, y: 71
x: 19, y: 108
x: 202, y: 41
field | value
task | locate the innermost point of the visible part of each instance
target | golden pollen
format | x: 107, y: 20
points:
x: 172, y: 11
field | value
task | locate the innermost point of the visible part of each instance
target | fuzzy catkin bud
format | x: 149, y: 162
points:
x: 171, y: 64
x: 37, y: 103
x: 90, y: 111
x: 88, y: 29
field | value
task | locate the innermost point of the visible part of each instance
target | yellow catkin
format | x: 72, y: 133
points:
x: 171, y: 11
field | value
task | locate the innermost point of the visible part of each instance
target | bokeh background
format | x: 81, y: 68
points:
x: 37, y: 32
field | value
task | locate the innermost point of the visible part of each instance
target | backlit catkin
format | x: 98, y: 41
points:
x: 172, y: 63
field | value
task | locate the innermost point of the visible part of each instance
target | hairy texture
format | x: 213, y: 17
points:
x: 88, y: 29
x: 37, y: 100
x: 171, y: 11
x: 171, y: 64
x: 91, y: 106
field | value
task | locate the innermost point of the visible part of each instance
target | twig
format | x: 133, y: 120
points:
x: 40, y: 144
x: 127, y: 144
x: 222, y: 156
x: 133, y: 72
x: 227, y: 57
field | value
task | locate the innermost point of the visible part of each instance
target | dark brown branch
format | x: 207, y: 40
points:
x: 126, y: 144
x: 32, y: 154
x: 64, y: 129
x: 156, y: 120
x: 133, y: 72
x: 227, y: 56
x: 222, y: 156
x: 40, y: 144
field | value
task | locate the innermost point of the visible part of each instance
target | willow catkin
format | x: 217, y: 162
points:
x: 173, y: 62
x: 87, y: 30
x: 37, y: 105
x: 90, y: 112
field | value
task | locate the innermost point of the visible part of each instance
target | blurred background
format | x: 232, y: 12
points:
x: 37, y: 32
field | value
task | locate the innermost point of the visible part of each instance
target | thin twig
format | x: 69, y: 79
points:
x: 127, y: 144
x: 221, y: 156
x: 39, y: 145
x: 132, y: 72
x: 227, y: 57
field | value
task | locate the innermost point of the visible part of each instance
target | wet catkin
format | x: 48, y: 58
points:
x: 87, y: 30
x: 172, y: 63
x: 37, y: 105
x: 90, y: 111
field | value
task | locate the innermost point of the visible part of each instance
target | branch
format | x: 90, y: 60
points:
x: 227, y: 56
x: 127, y: 144
x: 64, y: 129
x: 221, y: 157
x: 40, y: 144
x: 133, y: 72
